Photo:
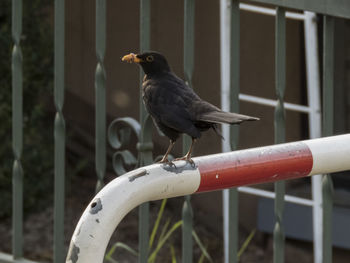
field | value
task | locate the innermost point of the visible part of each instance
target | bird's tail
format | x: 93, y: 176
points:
x: 225, y: 117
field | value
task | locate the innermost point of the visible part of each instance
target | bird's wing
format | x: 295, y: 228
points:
x: 176, y: 119
x: 166, y: 100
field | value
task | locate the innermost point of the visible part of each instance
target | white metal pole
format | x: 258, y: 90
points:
x: 225, y: 54
x: 225, y: 25
x: 314, y: 98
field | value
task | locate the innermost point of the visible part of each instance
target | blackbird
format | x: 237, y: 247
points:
x: 174, y: 107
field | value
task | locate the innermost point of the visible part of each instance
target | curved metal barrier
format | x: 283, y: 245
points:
x: 210, y: 173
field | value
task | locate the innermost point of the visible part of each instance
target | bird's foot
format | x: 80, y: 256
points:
x: 187, y: 159
x: 167, y: 162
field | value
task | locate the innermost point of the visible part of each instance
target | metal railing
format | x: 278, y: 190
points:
x: 208, y: 173
x: 328, y: 8
x: 312, y: 109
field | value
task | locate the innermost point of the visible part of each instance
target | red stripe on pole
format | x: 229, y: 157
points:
x: 268, y: 164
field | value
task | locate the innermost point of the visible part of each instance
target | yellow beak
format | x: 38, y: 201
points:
x: 130, y: 58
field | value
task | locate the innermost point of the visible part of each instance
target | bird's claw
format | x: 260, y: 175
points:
x: 187, y: 159
x: 167, y: 162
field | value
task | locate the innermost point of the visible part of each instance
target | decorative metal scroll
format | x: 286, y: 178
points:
x: 119, y: 137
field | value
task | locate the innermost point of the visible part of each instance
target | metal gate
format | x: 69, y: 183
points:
x: 322, y: 228
x: 313, y: 110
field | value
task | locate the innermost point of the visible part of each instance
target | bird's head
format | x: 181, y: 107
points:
x: 151, y: 62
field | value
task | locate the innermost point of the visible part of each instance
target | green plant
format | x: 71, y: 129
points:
x: 164, y: 235
x: 246, y: 243
x: 172, y: 253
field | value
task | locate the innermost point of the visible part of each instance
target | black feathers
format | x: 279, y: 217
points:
x: 174, y: 107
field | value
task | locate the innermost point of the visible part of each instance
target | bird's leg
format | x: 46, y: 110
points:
x: 187, y: 157
x: 165, y: 157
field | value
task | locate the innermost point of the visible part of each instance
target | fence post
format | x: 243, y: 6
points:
x: 327, y: 129
x: 280, y: 75
x: 17, y: 130
x: 100, y: 91
x: 59, y: 133
x: 145, y: 158
x: 187, y: 213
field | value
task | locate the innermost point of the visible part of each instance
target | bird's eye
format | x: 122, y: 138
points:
x: 150, y: 58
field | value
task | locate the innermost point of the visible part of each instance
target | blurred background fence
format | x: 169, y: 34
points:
x: 283, y: 61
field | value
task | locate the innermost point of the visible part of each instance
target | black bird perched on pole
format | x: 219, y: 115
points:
x: 175, y: 107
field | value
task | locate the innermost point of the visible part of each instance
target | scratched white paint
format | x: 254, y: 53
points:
x: 120, y: 196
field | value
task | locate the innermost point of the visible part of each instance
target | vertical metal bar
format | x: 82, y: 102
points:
x: 59, y: 133
x: 327, y: 129
x: 17, y: 130
x: 312, y: 73
x: 280, y: 75
x: 230, y: 79
x: 225, y: 59
x: 145, y: 32
x: 100, y: 89
x: 187, y: 213
x: 225, y: 29
x: 314, y: 98
x: 234, y: 130
x: 187, y: 226
x: 225, y: 15
x: 189, y: 13
x: 232, y: 226
x: 235, y: 69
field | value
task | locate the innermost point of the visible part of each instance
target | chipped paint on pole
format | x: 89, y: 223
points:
x: 117, y: 198
x: 212, y: 172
